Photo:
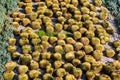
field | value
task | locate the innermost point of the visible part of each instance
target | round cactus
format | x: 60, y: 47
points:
x: 116, y: 64
x: 47, y: 76
x: 58, y: 27
x: 61, y: 42
x: 88, y: 23
x: 53, y: 39
x: 89, y: 34
x: 93, y: 7
x: 95, y: 41
x: 22, y: 69
x: 115, y: 75
x: 99, y: 47
x: 88, y: 49
x: 58, y: 64
x: 23, y: 77
x: 23, y: 41
x: 68, y: 67
x: 104, y: 77
x: 10, y: 66
x: 74, y: 28
x: 69, y: 76
x: 26, y: 49
x: 35, y: 41
x: 49, y: 70
x: 116, y: 43
x: 34, y: 74
x: 85, y: 10
x: 36, y: 55
x: 82, y: 30
x: 97, y: 54
x: 92, y: 14
x: 26, y: 21
x: 11, y: 49
x: 25, y: 58
x: 34, y: 65
x: 44, y: 63
x: 69, y: 56
x: 98, y: 2
x: 77, y: 35
x: 86, y: 66
x: 60, y: 72
x: 15, y: 24
x: 103, y: 16
x: 80, y: 54
x: 78, y: 45
x: 61, y: 36
x: 68, y: 48
x: 9, y: 75
x: 89, y: 58
x: 110, y: 52
x: 90, y: 75
x: 21, y: 15
x: 70, y: 40
x: 58, y: 48
x: 84, y: 40
x: 85, y: 17
x: 95, y: 20
x: 77, y: 73
x: 108, y: 68
x: 118, y: 56
x: 46, y: 55
x: 104, y: 9
x: 15, y: 55
x: 57, y: 56
x: 36, y: 25
x: 33, y: 16
x: 97, y: 67
x: 76, y: 62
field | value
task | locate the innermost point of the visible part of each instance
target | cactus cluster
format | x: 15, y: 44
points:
x: 61, y: 40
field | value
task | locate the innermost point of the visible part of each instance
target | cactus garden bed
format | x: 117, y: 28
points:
x: 59, y: 40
